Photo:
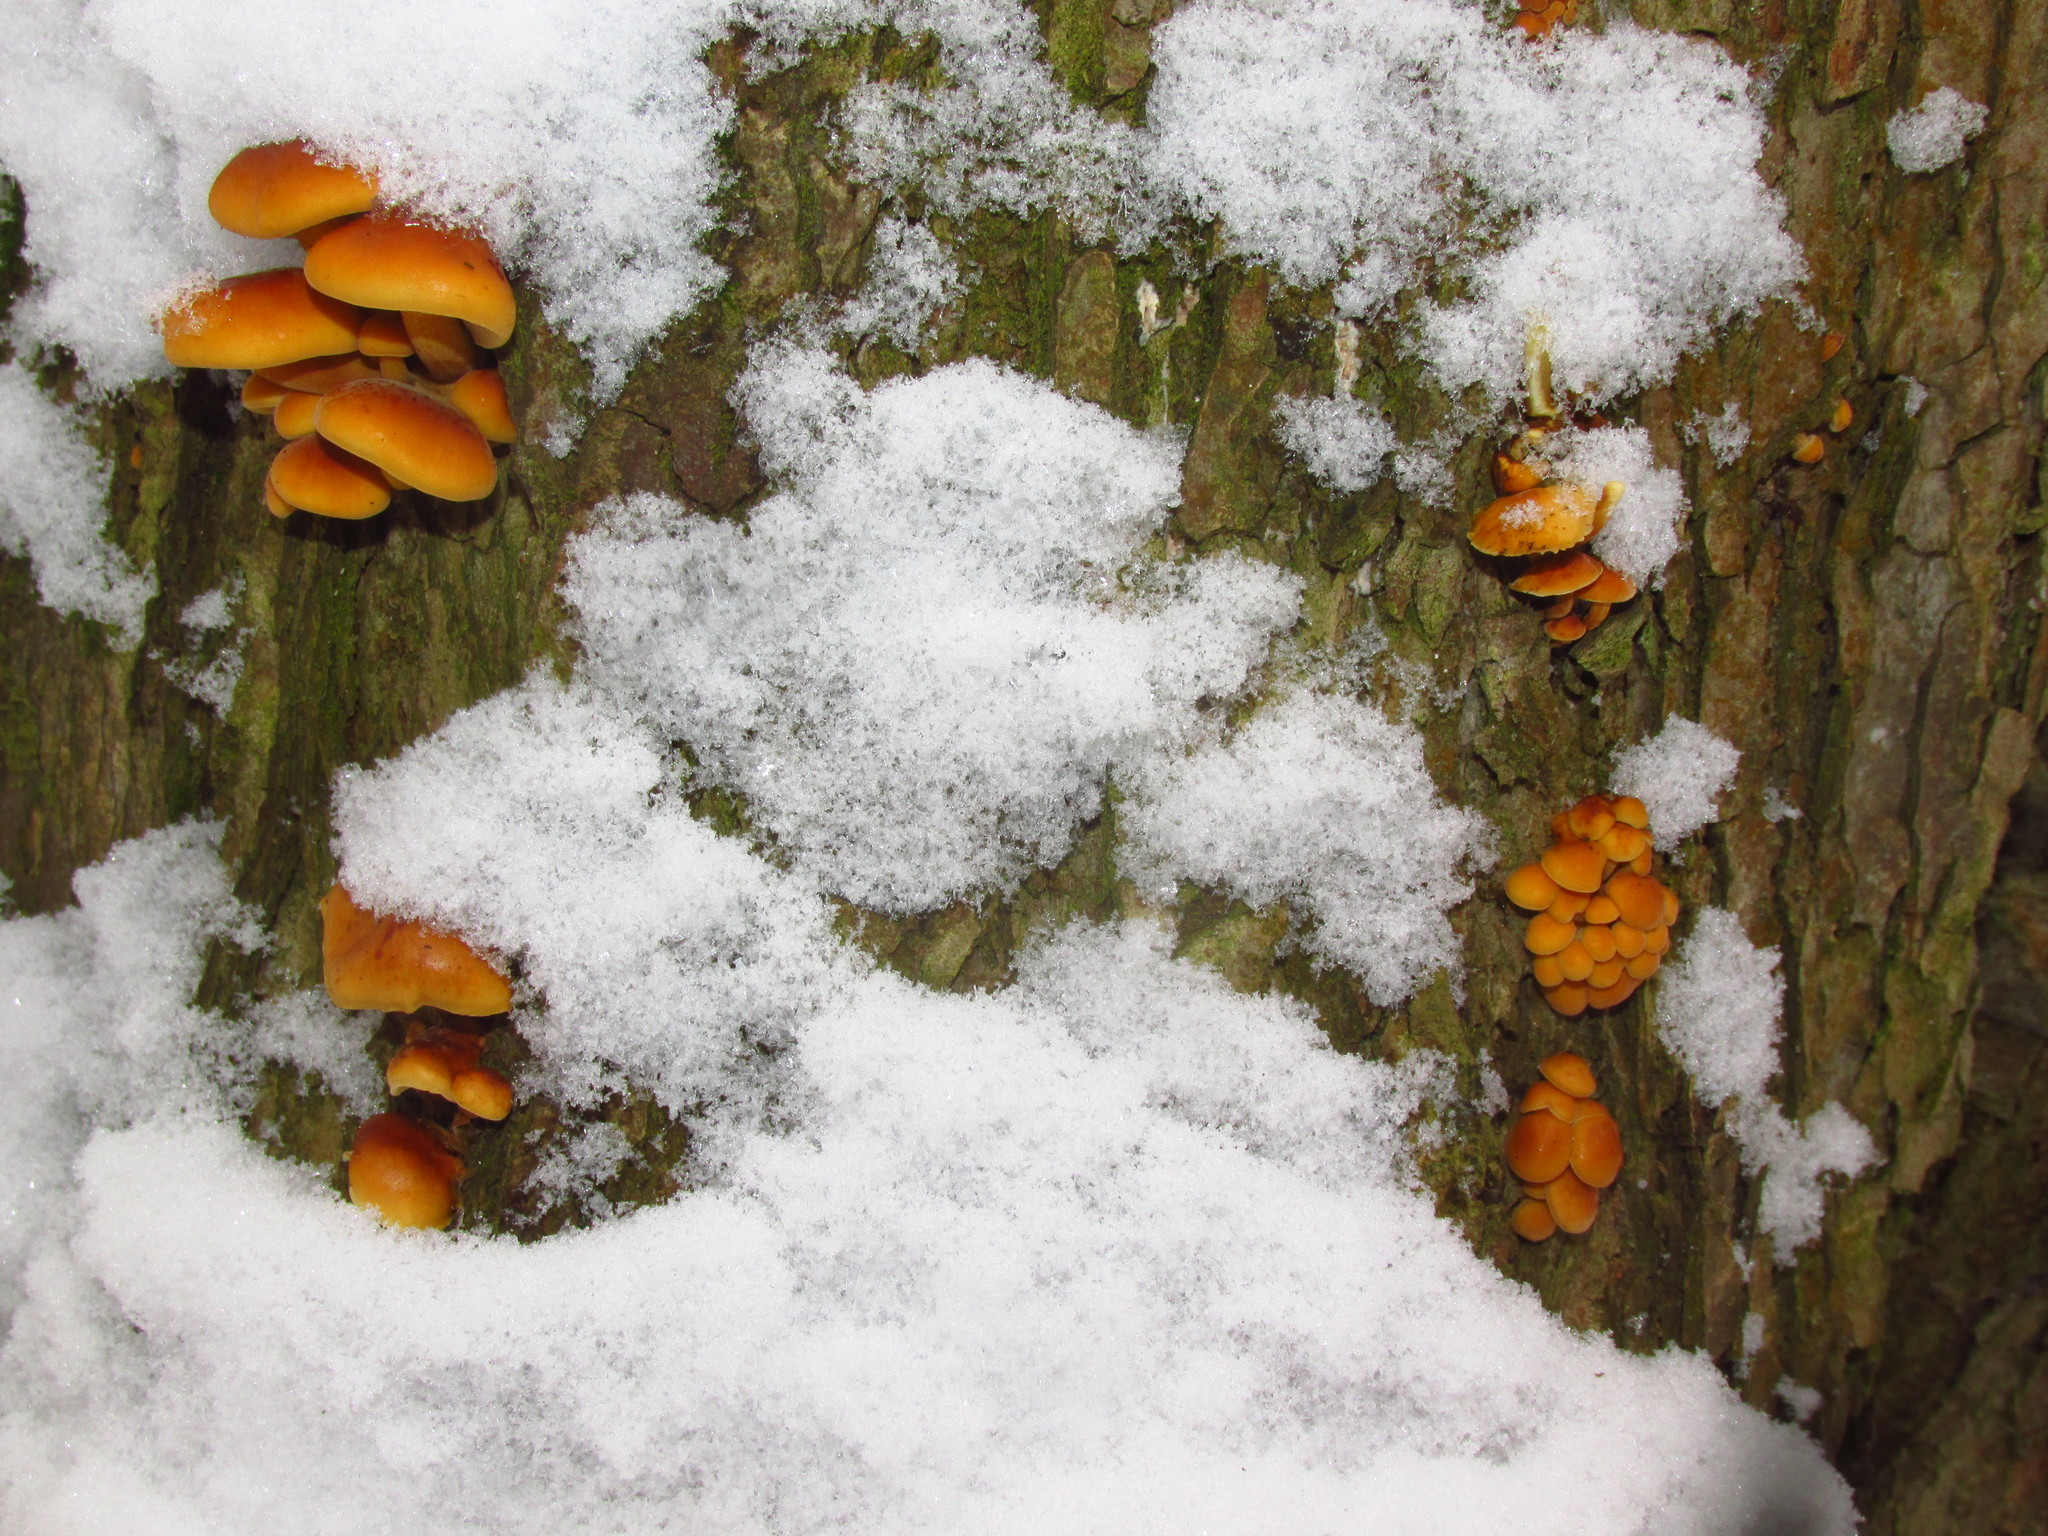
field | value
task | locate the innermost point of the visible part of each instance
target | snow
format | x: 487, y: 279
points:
x: 1718, y: 1010
x: 1725, y: 435
x: 1679, y: 775
x: 53, y: 490
x: 1322, y: 802
x: 910, y: 278
x: 921, y: 657
x: 1117, y: 1249
x: 1642, y: 532
x: 1340, y: 441
x: 1932, y: 134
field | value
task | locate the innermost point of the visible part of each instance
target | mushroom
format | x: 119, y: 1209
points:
x: 383, y: 335
x: 382, y: 261
x: 408, y: 433
x: 400, y: 966
x: 1568, y: 1073
x: 318, y: 375
x: 1559, y: 1111
x: 1840, y: 418
x: 480, y: 395
x: 443, y: 1062
x: 262, y: 395
x: 399, y: 1170
x: 309, y: 475
x: 262, y: 320
x: 442, y: 345
x: 294, y: 414
x: 269, y: 191
x: 1543, y: 521
x: 1808, y: 447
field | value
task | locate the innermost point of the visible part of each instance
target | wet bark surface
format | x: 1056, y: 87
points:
x: 1867, y: 630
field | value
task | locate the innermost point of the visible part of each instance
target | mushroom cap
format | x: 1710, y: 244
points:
x: 1656, y: 940
x: 482, y: 1092
x: 382, y: 261
x: 1545, y: 935
x: 444, y: 1064
x: 1565, y: 630
x: 1638, y: 898
x: 480, y: 395
x: 1532, y: 1220
x: 1601, y: 910
x: 381, y: 962
x: 1574, y: 961
x: 1605, y: 973
x: 1643, y: 966
x: 1572, y: 1201
x: 1570, y: 906
x: 259, y: 320
x: 1598, y: 939
x: 441, y: 343
x: 406, y: 431
x: 1558, y: 575
x: 1670, y: 905
x: 1512, y: 475
x: 315, y: 476
x: 1539, y: 1147
x: 269, y: 191
x: 425, y: 1065
x: 261, y: 395
x: 399, y: 1170
x: 1590, y: 818
x: 1531, y: 889
x: 1609, y: 587
x: 1622, y: 842
x: 1542, y: 521
x: 1544, y: 1096
x: 383, y: 335
x: 1628, y: 942
x: 1575, y: 865
x: 1840, y: 418
x: 1614, y: 996
x: 318, y: 375
x: 1569, y: 1072
x: 1596, y: 1147
x: 1568, y: 998
x: 1546, y: 970
x: 294, y: 414
x: 273, y: 503
x: 1809, y: 447
x: 1631, y: 811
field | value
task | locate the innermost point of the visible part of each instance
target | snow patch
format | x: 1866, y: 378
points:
x: 1338, y: 440
x: 1679, y: 774
x: 1932, y: 134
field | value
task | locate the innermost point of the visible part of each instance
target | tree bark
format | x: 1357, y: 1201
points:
x: 1868, y: 630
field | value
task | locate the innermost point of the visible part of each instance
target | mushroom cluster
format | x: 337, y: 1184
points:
x: 403, y: 1169
x: 1538, y: 17
x: 1601, y: 922
x: 1546, y: 523
x: 1564, y: 1148
x: 373, y: 359
x: 1811, y: 447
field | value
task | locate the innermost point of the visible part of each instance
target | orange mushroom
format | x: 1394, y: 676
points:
x: 1808, y: 447
x: 399, y: 966
x: 1546, y: 520
x: 1558, y: 575
x: 382, y: 261
x: 261, y: 395
x: 1575, y: 866
x: 1531, y: 889
x: 1568, y: 1073
x: 261, y: 320
x: 480, y: 395
x: 1572, y: 1202
x: 269, y: 191
x: 1840, y: 418
x: 407, y: 432
x: 400, y: 1171
x: 309, y: 475
x: 383, y: 335
x: 294, y: 414
x: 442, y: 345
x: 1596, y: 1146
x: 318, y: 375
x: 1562, y: 1195
x: 443, y: 1062
x: 1539, y: 1147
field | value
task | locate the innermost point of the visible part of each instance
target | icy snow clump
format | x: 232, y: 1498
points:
x: 1641, y: 534
x: 920, y: 658
x: 1679, y: 775
x: 1322, y: 802
x: 1718, y: 1009
x: 1932, y: 134
x: 1342, y: 443
x: 1117, y: 1247
x: 53, y: 506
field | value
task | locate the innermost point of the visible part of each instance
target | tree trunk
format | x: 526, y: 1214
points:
x: 1867, y: 629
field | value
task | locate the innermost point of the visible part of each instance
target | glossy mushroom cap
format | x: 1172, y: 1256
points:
x: 1575, y: 866
x: 384, y: 262
x: 1596, y: 1147
x: 384, y: 963
x: 398, y: 1170
x: 1559, y: 575
x: 318, y: 375
x: 1539, y: 1147
x: 309, y: 475
x: 1570, y: 1072
x: 1531, y: 889
x: 410, y: 434
x: 480, y: 395
x: 294, y: 414
x: 1572, y: 1201
x: 1544, y: 521
x: 383, y: 335
x: 442, y: 345
x: 1532, y: 1220
x: 258, y: 321
x: 444, y: 1063
x: 261, y: 395
x: 272, y: 190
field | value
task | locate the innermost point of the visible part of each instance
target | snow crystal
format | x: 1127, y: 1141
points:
x: 1616, y: 176
x: 213, y: 680
x: 1322, y: 802
x: 1802, y: 1400
x: 574, y: 1166
x: 1642, y: 532
x: 1726, y: 435
x: 1916, y: 396
x: 53, y: 490
x: 910, y: 277
x: 1679, y: 775
x: 212, y: 609
x: 1117, y: 1247
x: 1343, y: 444
x: 541, y: 824
x: 1718, y: 1009
x: 920, y: 658
x: 1932, y: 134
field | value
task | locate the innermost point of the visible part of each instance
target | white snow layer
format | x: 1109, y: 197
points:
x: 919, y: 659
x: 1117, y: 1250
x: 1322, y: 802
x: 1679, y: 775
x: 1642, y: 532
x: 1932, y: 134
x: 1718, y: 1011
x: 53, y: 505
x: 1340, y: 441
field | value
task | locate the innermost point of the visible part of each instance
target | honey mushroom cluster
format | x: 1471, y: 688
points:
x: 404, y: 1170
x: 1538, y: 17
x: 1546, y: 522
x: 1564, y: 1148
x: 1602, y: 923
x: 373, y: 359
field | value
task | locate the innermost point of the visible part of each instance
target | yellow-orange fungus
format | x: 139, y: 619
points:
x: 1546, y: 935
x: 1596, y: 1148
x: 1547, y: 1096
x: 1531, y: 889
x: 1539, y: 1147
x: 1532, y: 1220
x: 400, y: 966
x: 1572, y: 1202
x: 1569, y: 1073
x: 1575, y: 866
x: 400, y: 1171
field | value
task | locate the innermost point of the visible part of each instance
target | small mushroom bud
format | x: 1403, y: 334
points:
x: 1841, y: 416
x: 1532, y: 1220
x: 1569, y: 1073
x: 1572, y: 1202
x: 1808, y: 447
x: 1539, y: 1147
x: 398, y: 1170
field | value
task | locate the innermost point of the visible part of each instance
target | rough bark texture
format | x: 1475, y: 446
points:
x: 1868, y: 630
